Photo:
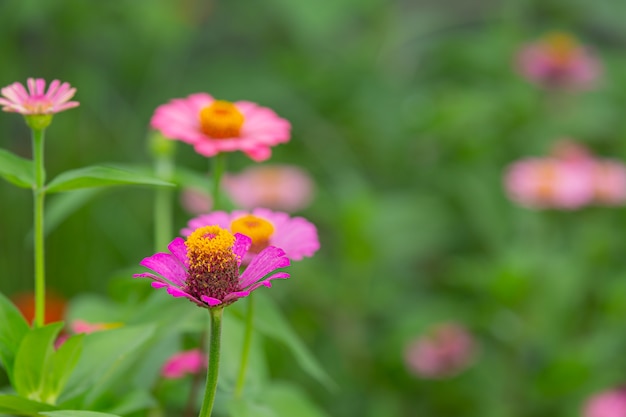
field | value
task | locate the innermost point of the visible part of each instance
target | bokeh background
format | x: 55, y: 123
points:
x: 406, y: 115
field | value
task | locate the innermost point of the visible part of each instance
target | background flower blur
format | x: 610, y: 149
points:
x: 407, y: 116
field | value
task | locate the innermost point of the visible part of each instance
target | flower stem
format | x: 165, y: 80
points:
x: 214, y: 362
x: 219, y: 166
x: 245, y: 350
x: 163, y: 207
x: 39, y: 194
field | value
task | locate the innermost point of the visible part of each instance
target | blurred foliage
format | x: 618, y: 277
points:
x: 406, y: 113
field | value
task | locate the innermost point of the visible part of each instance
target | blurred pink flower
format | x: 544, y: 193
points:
x: 444, y: 351
x: 183, y: 363
x: 295, y: 235
x: 609, y: 182
x: 549, y: 183
x: 205, y: 268
x: 195, y: 201
x: 559, y: 61
x: 37, y: 101
x: 610, y: 403
x: 214, y: 126
x: 279, y: 187
x: 82, y: 326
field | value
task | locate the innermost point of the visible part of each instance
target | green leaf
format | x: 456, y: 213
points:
x: 63, y: 205
x: 63, y: 363
x: 77, y: 413
x: 12, y: 330
x: 289, y: 400
x: 16, y: 170
x: 34, y: 360
x: 18, y: 406
x: 100, y: 176
x: 271, y: 322
x: 244, y: 408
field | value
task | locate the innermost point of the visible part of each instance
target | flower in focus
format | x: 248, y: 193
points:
x: 214, y: 126
x: 183, y: 363
x: 559, y: 61
x: 55, y: 306
x: 279, y: 187
x: 610, y: 403
x: 36, y: 100
x: 443, y: 352
x: 295, y: 235
x: 205, y: 267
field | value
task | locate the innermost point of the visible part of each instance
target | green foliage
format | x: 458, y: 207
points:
x: 16, y: 170
x: 99, y: 176
x: 12, y: 331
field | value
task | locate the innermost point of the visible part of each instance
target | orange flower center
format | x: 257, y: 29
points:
x: 562, y: 47
x: 546, y: 177
x: 256, y: 228
x: 221, y: 120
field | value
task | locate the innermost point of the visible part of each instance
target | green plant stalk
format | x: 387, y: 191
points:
x: 214, y: 362
x: 245, y: 349
x: 39, y: 194
x: 163, y: 205
x: 219, y: 166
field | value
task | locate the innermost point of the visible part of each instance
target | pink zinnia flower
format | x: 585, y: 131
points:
x: 295, y: 235
x: 549, y: 183
x: 205, y: 267
x: 609, y: 182
x: 559, y: 61
x: 214, y: 126
x: 279, y: 187
x: 37, y: 101
x: 607, y: 404
x: 183, y: 363
x: 444, y: 351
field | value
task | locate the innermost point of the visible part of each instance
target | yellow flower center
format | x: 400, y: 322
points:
x: 209, y: 242
x: 256, y: 228
x: 562, y: 47
x: 221, y: 119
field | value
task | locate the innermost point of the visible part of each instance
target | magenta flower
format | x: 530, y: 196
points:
x: 183, y: 363
x: 295, y: 235
x: 214, y: 126
x: 205, y: 267
x: 37, y: 101
x: 279, y: 187
x: 444, y: 351
x: 559, y: 61
x: 611, y: 403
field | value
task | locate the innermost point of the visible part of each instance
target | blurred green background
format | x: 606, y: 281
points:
x: 405, y: 113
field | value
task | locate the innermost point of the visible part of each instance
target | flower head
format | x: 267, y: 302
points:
x: 611, y: 403
x: 444, y: 351
x: 278, y: 187
x: 183, y: 363
x: 205, y: 267
x: 295, y: 235
x: 214, y: 126
x: 36, y: 100
x: 559, y: 61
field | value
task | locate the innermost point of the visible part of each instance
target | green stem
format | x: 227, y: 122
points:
x: 245, y: 352
x: 163, y: 205
x: 219, y: 166
x: 39, y: 194
x: 214, y: 362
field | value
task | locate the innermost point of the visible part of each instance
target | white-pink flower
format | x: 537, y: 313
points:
x: 214, y: 126
x: 559, y: 61
x: 611, y: 403
x: 36, y: 100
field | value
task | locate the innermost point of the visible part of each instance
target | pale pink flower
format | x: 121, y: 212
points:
x: 279, y: 187
x: 549, y: 183
x: 183, y: 363
x: 611, y: 403
x: 214, y: 126
x: 444, y: 351
x: 195, y: 201
x: 609, y: 182
x: 559, y: 61
x: 36, y: 100
x: 295, y: 235
x: 205, y: 268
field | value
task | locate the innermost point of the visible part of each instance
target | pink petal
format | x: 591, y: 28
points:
x: 270, y: 259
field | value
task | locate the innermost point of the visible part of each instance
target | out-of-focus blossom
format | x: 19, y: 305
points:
x: 444, y: 351
x: 36, y: 100
x: 82, y: 326
x: 568, y: 179
x: 55, y: 306
x: 205, y: 267
x: 295, y: 235
x: 183, y: 363
x: 214, y: 126
x: 195, y: 201
x: 279, y: 187
x: 559, y: 61
x: 611, y: 403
